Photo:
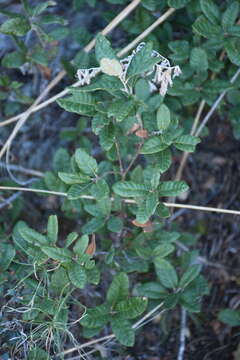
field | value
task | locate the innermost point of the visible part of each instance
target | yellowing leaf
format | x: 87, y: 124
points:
x: 111, y: 67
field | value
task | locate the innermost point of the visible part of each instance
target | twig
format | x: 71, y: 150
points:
x: 9, y: 200
x: 117, y: 20
x: 215, y: 105
x: 146, y: 32
x: 182, y: 334
x: 111, y: 336
x: 127, y: 201
x: 133, y: 160
x: 22, y: 169
x: 119, y: 159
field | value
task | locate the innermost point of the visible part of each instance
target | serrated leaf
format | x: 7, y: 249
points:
x: 77, y: 275
x: 60, y: 254
x: 166, y: 273
x: 191, y: 273
x: 81, y: 245
x: 96, y: 317
x: 52, y: 229
x: 164, y: 160
x: 70, y: 104
x: 32, y: 236
x: 153, y: 145
x: 172, y: 188
x: 42, y: 7
x: 93, y: 225
x: 230, y: 317
x: 103, y: 48
x: 205, y: 28
x: 119, y: 289
x: 76, y: 191
x: 131, y: 308
x: 210, y: 10
x: 18, y: 26
x: 120, y: 109
x: 123, y: 331
x: 152, y: 290
x: 130, y: 189
x: 71, y: 238
x: 198, y: 59
x: 71, y: 179
x: 142, y: 61
x: 186, y: 142
x: 162, y: 251
x: 232, y: 48
x: 163, y: 117
x: 7, y: 255
x: 230, y: 15
x: 86, y: 163
x: 177, y: 4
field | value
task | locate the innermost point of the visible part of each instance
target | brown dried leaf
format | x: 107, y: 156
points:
x: 147, y: 224
x: 91, y: 247
x: 142, y: 133
x: 133, y: 128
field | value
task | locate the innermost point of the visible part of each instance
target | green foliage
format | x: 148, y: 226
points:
x: 116, y: 179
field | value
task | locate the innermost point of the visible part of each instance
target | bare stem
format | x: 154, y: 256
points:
x: 133, y: 160
x: 127, y: 201
x: 182, y: 334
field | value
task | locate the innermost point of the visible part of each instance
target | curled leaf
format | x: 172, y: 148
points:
x: 91, y: 247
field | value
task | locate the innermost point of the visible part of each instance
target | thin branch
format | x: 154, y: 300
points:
x: 146, y: 32
x: 119, y: 159
x: 127, y: 201
x: 22, y: 170
x: 9, y: 200
x: 215, y: 105
x: 133, y: 160
x: 182, y: 334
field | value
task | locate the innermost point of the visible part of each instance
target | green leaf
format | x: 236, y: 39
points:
x: 153, y: 145
x: 163, y: 211
x: 164, y: 160
x: 32, y: 236
x: 57, y: 253
x: 93, y: 275
x: 70, y: 179
x: 42, y: 7
x: 123, y: 331
x: 232, y: 48
x: 119, y: 289
x: 131, y: 308
x: 166, y: 273
x: 7, y: 255
x: 230, y: 317
x: 93, y: 225
x: 59, y: 280
x: 72, y: 105
x: 130, y: 189
x: 107, y: 83
x: 205, y: 28
x: 163, y: 117
x: 100, y: 189
x: 77, y: 275
x: 96, y: 317
x: 120, y: 109
x: 103, y: 48
x: 77, y: 191
x: 230, y: 15
x: 172, y: 188
x: 86, y: 163
x: 162, y: 251
x: 210, y: 10
x: 71, y: 238
x: 18, y: 26
x: 81, y: 245
x: 14, y: 59
x: 198, y: 59
x: 152, y: 290
x: 82, y: 97
x: 107, y: 137
x: 52, y: 229
x: 115, y: 224
x: 186, y: 143
x: 191, y: 273
x: 142, y: 61
x: 177, y: 4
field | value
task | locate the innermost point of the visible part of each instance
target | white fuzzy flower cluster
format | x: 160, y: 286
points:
x: 163, y: 72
